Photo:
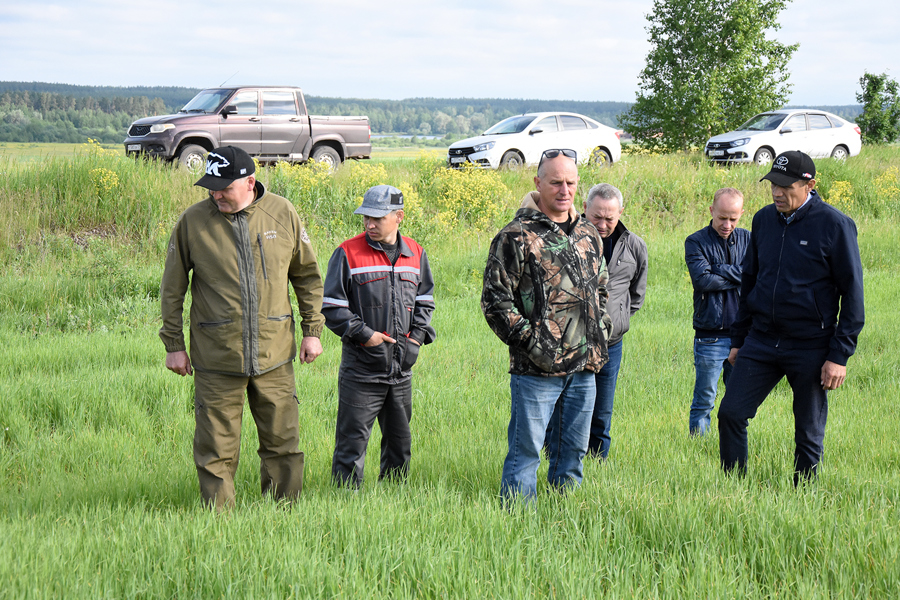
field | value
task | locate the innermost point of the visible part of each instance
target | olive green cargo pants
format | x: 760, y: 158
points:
x: 218, y: 408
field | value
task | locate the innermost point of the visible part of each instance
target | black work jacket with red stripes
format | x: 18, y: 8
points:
x: 365, y: 293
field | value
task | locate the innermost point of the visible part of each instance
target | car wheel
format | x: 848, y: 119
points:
x: 763, y: 156
x: 193, y: 158
x: 601, y: 157
x: 327, y: 155
x: 511, y: 160
x: 840, y: 153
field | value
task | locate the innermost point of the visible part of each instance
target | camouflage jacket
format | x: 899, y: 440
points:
x: 545, y: 295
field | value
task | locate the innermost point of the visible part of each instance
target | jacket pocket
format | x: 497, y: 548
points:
x: 216, y: 346
x: 410, y: 353
x: 543, y: 346
x: 375, y: 359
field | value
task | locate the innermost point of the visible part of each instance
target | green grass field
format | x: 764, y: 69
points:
x: 98, y: 493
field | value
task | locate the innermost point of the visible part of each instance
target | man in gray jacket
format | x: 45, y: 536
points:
x: 626, y: 255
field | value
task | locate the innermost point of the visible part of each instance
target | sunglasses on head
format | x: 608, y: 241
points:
x: 556, y: 152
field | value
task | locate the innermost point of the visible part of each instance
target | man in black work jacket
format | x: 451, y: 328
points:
x: 800, y: 313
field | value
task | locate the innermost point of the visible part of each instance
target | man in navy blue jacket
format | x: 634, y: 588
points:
x: 714, y: 256
x: 800, y: 313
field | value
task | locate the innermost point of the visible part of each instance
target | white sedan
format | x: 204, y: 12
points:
x: 519, y: 141
x: 765, y: 136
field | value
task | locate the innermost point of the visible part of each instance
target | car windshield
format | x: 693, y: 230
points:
x: 763, y: 122
x: 511, y: 125
x: 206, y: 101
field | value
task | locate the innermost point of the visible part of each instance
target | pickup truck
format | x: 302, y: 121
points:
x: 270, y: 123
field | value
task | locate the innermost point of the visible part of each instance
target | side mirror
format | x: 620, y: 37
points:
x: 786, y: 130
x: 231, y: 109
x: 536, y: 130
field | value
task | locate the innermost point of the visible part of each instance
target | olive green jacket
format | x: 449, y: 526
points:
x: 241, y: 320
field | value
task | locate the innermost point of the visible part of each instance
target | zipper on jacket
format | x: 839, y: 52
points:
x: 262, y: 256
x: 778, y: 273
x: 249, y: 306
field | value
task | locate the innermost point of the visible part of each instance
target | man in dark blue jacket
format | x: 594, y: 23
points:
x: 714, y: 256
x: 800, y: 314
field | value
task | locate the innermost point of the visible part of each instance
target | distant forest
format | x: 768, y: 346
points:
x: 53, y: 112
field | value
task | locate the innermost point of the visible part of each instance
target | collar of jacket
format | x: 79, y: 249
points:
x: 529, y: 207
x: 404, y: 248
x: 713, y: 234
x: 801, y: 212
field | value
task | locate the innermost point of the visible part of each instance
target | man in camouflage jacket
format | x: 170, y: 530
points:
x: 545, y: 297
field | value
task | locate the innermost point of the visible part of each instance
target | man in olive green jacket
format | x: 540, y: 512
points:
x: 244, y: 247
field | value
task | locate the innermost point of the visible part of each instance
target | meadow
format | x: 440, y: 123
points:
x: 98, y: 493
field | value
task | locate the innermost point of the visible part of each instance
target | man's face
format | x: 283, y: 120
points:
x: 726, y: 212
x: 557, y: 187
x: 236, y: 197
x: 604, y: 213
x: 383, y: 229
x: 788, y: 199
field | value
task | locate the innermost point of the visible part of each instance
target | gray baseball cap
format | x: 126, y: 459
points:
x: 380, y: 201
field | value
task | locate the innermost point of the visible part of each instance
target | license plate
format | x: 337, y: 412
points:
x: 133, y: 148
x: 717, y: 153
x: 457, y: 159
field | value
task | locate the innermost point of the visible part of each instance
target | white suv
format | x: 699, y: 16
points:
x: 765, y: 136
x: 519, y: 141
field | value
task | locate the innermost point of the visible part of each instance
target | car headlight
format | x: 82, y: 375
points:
x: 740, y: 142
x: 483, y: 147
x: 160, y: 127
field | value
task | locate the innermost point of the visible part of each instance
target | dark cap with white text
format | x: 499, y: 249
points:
x: 791, y: 166
x: 225, y: 165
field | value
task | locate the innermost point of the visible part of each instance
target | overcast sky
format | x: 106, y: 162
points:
x: 566, y: 50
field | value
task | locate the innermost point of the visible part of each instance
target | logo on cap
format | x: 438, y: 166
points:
x: 213, y: 166
x: 782, y: 160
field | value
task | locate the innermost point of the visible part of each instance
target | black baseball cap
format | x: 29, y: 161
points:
x: 223, y: 166
x: 789, y: 167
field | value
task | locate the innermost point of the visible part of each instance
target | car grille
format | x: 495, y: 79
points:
x: 461, y: 151
x: 139, y: 130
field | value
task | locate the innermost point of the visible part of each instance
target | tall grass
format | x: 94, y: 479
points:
x: 98, y: 493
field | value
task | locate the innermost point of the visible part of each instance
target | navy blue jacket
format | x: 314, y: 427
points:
x: 715, y: 268
x: 802, y: 281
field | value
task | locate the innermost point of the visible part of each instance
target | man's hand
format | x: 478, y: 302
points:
x: 379, y: 338
x: 179, y: 363
x: 310, y: 348
x: 833, y: 375
x: 732, y: 356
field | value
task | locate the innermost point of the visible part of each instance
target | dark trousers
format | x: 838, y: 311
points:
x: 359, y: 404
x: 758, y: 369
x: 218, y: 408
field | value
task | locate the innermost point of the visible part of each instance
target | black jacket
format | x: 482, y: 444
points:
x: 365, y: 293
x: 714, y: 265
x: 802, y: 281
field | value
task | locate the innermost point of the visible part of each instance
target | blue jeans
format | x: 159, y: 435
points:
x: 533, y: 402
x: 710, y: 359
x: 603, y: 405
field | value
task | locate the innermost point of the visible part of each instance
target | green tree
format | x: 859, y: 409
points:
x: 880, y: 118
x: 710, y: 67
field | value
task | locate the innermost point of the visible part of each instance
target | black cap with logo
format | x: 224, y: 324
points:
x: 789, y: 167
x: 225, y: 165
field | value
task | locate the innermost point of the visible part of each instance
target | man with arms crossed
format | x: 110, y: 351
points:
x: 800, y: 314
x: 379, y: 300
x: 544, y: 296
x: 241, y: 250
x: 714, y: 256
